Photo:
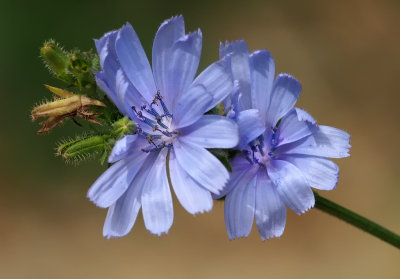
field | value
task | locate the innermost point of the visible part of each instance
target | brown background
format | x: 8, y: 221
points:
x: 346, y: 55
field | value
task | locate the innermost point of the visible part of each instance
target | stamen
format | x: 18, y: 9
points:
x: 164, y: 107
x: 260, y: 144
x: 153, y: 112
x: 162, y: 124
x: 154, y: 119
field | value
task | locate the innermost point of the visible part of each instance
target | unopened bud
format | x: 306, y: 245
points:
x: 123, y: 127
x: 55, y: 58
x: 81, y: 148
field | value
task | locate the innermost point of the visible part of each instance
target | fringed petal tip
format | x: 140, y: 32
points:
x: 272, y: 235
x: 231, y: 237
x: 177, y: 18
x: 307, y: 209
x: 159, y: 233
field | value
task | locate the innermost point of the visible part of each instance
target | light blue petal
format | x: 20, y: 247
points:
x: 250, y: 126
x: 115, y: 180
x: 106, y: 83
x: 169, y: 32
x: 106, y: 79
x: 239, y: 61
x: 183, y: 64
x: 103, y: 46
x: 270, y: 213
x: 240, y: 207
x: 127, y: 95
x: 325, y: 142
x: 233, y: 102
x: 305, y: 116
x: 191, y: 108
x: 224, y: 49
x: 122, y: 148
x: 321, y: 173
x: 262, y: 79
x: 112, y: 79
x: 217, y: 81
x: 240, y: 166
x: 291, y: 185
x: 158, y: 212
x: 212, y: 131
x: 193, y: 197
x: 202, y: 166
x: 285, y: 92
x: 122, y: 215
x: 292, y: 129
x: 134, y: 62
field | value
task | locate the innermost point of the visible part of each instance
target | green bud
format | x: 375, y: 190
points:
x: 81, y: 148
x: 82, y: 66
x: 55, y: 59
x: 123, y: 127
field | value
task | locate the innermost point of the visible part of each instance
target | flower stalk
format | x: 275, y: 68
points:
x: 356, y: 220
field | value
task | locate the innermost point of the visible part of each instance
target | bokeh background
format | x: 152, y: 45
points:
x: 346, y: 55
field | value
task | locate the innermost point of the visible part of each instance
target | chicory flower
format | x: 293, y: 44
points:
x: 284, y: 152
x: 169, y: 149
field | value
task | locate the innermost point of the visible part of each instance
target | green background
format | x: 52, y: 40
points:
x: 345, y: 54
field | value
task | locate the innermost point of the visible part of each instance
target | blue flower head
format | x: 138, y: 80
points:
x: 283, y: 151
x: 168, y: 105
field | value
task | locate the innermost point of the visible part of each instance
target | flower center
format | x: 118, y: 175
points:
x: 162, y: 134
x: 259, y: 151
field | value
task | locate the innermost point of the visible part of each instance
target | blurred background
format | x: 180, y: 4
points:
x: 346, y: 55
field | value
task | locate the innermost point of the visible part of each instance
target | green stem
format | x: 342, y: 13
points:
x: 356, y: 220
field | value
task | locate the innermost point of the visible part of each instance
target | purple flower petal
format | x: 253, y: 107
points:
x: 250, y: 126
x: 292, y: 129
x: 240, y: 166
x: 292, y: 186
x: 305, y: 116
x: 134, y: 62
x: 285, y: 92
x: 169, y: 32
x: 114, y: 181
x: 122, y: 215
x: 202, y: 166
x: 237, y: 55
x: 212, y: 131
x: 217, y: 81
x: 122, y: 148
x: 183, y: 64
x: 157, y: 209
x: 270, y: 213
x: 325, y: 142
x: 191, y: 108
x: 105, y: 47
x: 320, y: 173
x: 193, y: 197
x: 262, y: 79
x: 240, y: 206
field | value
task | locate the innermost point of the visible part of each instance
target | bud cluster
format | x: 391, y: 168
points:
x: 75, y: 67
x: 82, y: 100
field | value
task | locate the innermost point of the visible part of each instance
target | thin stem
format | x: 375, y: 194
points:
x: 356, y: 220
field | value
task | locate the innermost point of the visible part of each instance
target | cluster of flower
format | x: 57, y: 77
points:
x: 281, y: 151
